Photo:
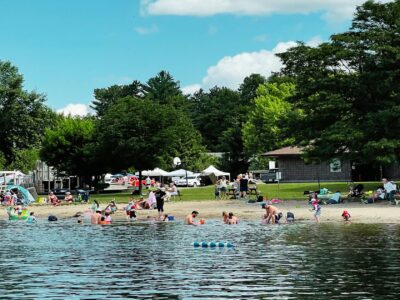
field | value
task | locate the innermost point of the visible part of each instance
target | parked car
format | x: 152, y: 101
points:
x: 270, y: 176
x: 193, y: 181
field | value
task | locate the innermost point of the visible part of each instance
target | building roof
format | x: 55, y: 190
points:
x: 286, y: 151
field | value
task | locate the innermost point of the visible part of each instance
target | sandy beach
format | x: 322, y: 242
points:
x: 361, y: 213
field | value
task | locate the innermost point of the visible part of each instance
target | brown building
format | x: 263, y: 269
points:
x: 293, y: 169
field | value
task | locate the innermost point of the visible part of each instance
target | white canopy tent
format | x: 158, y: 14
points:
x: 157, y: 172
x: 211, y: 170
x: 179, y: 173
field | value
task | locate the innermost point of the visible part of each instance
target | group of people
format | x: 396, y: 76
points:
x: 387, y: 191
x: 10, y: 197
x: 240, y: 186
x: 273, y: 216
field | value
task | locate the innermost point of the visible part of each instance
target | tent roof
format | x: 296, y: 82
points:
x: 179, y: 173
x: 213, y: 170
x: 155, y: 172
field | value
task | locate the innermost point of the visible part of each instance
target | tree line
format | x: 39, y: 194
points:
x: 340, y: 99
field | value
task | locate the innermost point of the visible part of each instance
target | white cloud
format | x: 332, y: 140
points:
x: 191, y: 89
x: 231, y: 70
x: 72, y: 109
x: 146, y: 30
x: 333, y: 9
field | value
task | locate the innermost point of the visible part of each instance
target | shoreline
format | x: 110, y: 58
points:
x: 382, y: 213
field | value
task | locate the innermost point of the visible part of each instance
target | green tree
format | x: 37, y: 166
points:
x: 264, y: 129
x: 164, y: 89
x: 349, y: 90
x: 25, y: 160
x: 105, y: 97
x: 69, y: 148
x: 248, y: 89
x: 23, y: 115
x: 144, y: 134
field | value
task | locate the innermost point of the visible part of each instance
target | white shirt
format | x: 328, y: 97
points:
x: 389, y: 186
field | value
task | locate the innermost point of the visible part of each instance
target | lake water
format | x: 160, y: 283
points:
x: 64, y: 260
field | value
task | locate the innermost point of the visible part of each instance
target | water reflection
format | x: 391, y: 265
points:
x: 157, y: 260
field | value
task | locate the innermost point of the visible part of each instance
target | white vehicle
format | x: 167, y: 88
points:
x: 192, y: 180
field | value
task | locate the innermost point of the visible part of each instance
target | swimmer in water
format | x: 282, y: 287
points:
x: 32, y: 218
x: 232, y: 220
x: 189, y: 220
x: 225, y: 217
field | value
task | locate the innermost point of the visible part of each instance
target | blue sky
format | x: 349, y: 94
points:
x: 67, y: 48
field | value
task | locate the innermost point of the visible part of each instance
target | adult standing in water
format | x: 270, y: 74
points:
x: 96, y: 217
x: 160, y: 201
x: 270, y: 211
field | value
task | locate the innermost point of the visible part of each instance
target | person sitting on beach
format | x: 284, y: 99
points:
x: 140, y: 204
x: 31, y: 218
x: 151, y: 200
x: 232, y: 220
x: 189, y: 220
x: 225, y: 217
x: 53, y: 199
x: 289, y: 217
x: 346, y: 216
x: 164, y: 218
x: 173, y: 190
x: 68, y: 197
x: 390, y: 189
x: 271, y: 212
x: 96, y: 217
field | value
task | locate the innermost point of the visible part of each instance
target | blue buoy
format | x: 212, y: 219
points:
x: 196, y: 244
x: 213, y: 245
x: 221, y: 244
x: 204, y: 244
x: 229, y: 245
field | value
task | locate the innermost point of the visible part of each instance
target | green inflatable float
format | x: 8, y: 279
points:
x: 14, y: 216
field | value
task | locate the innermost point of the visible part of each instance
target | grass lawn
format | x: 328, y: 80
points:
x: 286, y: 191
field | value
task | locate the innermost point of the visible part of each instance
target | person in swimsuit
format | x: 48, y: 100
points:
x: 289, y: 217
x: 225, y: 217
x: 271, y: 211
x: 189, y: 220
x: 96, y: 217
x: 232, y: 220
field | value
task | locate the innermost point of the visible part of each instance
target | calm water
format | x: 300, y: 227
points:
x: 145, y: 261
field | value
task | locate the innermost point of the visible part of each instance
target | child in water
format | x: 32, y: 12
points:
x: 107, y: 218
x: 346, y: 216
x: 103, y: 221
x: 289, y: 217
x: 31, y: 218
x: 225, y: 217
x: 317, y: 211
x: 232, y: 220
